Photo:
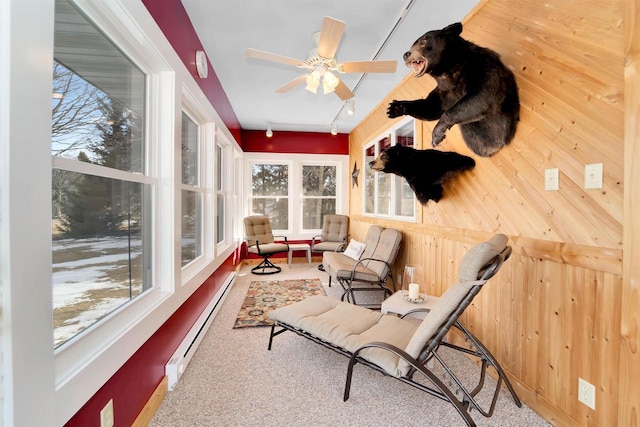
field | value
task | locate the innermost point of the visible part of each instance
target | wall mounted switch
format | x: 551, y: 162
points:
x: 593, y: 176
x: 551, y: 179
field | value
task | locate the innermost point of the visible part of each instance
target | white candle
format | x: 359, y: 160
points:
x: 414, y: 291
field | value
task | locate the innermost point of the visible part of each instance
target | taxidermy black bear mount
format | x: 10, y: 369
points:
x: 425, y: 170
x: 474, y: 89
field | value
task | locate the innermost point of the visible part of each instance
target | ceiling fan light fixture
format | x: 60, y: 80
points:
x: 329, y: 82
x: 313, y: 81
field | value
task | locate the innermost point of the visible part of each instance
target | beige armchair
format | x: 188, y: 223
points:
x: 261, y: 241
x: 335, y: 229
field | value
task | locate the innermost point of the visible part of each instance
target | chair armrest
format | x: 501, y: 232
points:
x: 415, y: 310
x: 360, y: 261
x: 313, y: 240
x: 282, y: 238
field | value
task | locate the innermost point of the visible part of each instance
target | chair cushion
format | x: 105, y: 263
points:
x: 268, y: 248
x: 258, y: 227
x: 371, y: 240
x: 349, y: 326
x: 327, y: 246
x: 335, y: 228
x: 479, y: 255
x: 339, y: 265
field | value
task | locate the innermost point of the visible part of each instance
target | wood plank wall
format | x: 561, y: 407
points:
x: 553, y: 314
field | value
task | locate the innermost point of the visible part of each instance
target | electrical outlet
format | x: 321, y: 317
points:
x: 587, y: 393
x: 106, y: 415
x: 551, y: 179
x: 593, y: 176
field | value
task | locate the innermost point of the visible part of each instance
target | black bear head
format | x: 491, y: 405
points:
x: 393, y: 160
x: 427, y: 54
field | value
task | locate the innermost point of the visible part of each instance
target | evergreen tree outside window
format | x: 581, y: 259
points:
x: 220, y: 193
x: 191, y: 192
x: 318, y: 194
x: 100, y: 194
x: 270, y: 193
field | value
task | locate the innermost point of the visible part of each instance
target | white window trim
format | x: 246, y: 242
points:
x: 395, y: 179
x: 197, y: 113
x: 295, y: 162
x: 83, y: 366
x: 63, y: 382
x: 227, y: 174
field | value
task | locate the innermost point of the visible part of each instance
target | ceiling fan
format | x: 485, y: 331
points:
x: 322, y: 65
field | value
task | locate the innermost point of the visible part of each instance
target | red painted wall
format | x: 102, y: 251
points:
x: 133, y: 384
x: 174, y: 22
x: 295, y: 142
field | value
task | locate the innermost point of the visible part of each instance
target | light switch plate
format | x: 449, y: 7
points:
x: 593, y: 176
x: 551, y: 179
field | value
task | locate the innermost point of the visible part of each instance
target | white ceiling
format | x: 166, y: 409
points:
x: 227, y: 28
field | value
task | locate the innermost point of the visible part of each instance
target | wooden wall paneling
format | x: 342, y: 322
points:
x: 551, y: 315
x: 629, y: 372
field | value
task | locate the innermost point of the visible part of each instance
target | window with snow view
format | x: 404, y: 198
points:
x: 101, y: 193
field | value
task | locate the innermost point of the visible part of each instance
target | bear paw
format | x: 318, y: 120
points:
x: 396, y: 109
x: 438, y: 134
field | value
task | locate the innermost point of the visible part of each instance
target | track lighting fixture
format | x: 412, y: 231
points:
x: 334, y: 129
x: 351, y: 107
x: 269, y: 132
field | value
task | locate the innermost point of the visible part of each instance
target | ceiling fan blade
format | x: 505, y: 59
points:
x: 330, y: 35
x: 370, y: 66
x: 255, y: 53
x: 293, y: 83
x: 343, y: 91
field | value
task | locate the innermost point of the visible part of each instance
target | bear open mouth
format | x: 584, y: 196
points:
x: 418, y: 67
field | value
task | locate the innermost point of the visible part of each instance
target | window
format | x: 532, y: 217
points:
x: 220, y: 193
x: 318, y: 194
x: 101, y: 195
x: 191, y: 192
x: 388, y: 194
x: 270, y: 193
x: 295, y: 190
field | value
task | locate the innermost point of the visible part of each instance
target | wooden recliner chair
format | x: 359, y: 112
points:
x: 400, y: 347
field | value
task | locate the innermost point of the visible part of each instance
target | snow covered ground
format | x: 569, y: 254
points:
x: 88, y: 288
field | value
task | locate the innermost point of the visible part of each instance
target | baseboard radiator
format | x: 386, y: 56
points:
x: 181, y: 357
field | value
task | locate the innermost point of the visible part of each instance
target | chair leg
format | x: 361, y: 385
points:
x: 488, y: 357
x: 266, y: 267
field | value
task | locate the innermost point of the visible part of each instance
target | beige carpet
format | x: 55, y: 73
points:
x: 264, y: 296
x: 233, y: 380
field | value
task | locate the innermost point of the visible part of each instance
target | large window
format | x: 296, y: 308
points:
x: 318, y: 194
x: 296, y: 191
x: 221, y: 192
x: 101, y: 194
x: 388, y: 194
x: 270, y: 193
x: 192, y: 194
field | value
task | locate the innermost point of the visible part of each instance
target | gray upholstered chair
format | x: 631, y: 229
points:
x: 335, y: 230
x: 371, y: 270
x: 261, y: 241
x: 402, y: 348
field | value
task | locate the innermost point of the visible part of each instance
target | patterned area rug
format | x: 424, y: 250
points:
x: 265, y: 296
